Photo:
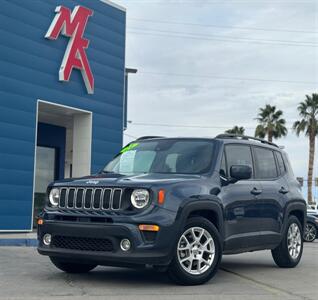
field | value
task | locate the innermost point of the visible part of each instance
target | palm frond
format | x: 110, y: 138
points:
x: 236, y: 130
x: 308, y: 111
x: 270, y: 120
x: 260, y: 131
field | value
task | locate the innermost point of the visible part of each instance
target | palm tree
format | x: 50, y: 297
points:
x: 271, y: 123
x: 236, y: 130
x: 308, y: 111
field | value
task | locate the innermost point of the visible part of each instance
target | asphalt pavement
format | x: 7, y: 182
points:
x: 24, y: 274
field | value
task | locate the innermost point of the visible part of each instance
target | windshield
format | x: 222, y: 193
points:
x: 163, y: 156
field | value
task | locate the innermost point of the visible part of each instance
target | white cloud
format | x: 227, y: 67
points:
x: 218, y: 102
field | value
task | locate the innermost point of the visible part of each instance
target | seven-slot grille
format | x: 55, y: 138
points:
x: 91, y: 198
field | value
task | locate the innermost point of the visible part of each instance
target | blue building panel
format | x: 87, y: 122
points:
x: 29, y: 68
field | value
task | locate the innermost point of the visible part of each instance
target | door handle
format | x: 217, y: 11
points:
x: 282, y: 190
x: 256, y: 191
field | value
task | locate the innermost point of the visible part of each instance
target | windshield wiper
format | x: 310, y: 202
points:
x: 108, y: 172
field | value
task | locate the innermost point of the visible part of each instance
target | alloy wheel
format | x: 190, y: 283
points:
x: 310, y: 233
x: 294, y: 240
x: 196, y: 250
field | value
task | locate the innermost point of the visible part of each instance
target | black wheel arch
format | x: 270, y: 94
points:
x: 297, y: 209
x: 210, y: 209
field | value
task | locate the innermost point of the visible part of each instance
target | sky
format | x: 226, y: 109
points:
x: 208, y: 65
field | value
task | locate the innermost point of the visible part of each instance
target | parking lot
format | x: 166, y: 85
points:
x: 26, y: 275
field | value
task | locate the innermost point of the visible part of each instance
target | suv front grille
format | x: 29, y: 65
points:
x: 91, y: 198
x: 82, y: 244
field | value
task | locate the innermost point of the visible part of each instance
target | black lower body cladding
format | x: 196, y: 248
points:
x: 100, y: 243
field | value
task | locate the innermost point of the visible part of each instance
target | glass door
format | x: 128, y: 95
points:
x: 46, y: 166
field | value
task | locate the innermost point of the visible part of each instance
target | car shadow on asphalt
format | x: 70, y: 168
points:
x: 230, y: 263
x: 140, y: 277
x: 134, y: 277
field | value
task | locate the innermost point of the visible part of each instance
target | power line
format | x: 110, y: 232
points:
x: 154, y: 34
x: 131, y: 136
x: 180, y: 126
x: 223, y: 38
x: 186, y: 126
x: 224, y: 77
x: 220, y: 26
x: 223, y: 2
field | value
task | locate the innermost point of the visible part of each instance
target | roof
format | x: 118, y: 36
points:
x: 225, y: 138
x: 111, y: 3
x: 249, y: 142
x: 246, y: 138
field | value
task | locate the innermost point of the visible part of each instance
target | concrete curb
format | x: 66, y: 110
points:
x: 18, y: 242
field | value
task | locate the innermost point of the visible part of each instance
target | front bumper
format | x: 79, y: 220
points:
x: 156, y: 251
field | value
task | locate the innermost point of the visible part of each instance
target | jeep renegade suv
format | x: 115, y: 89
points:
x: 177, y: 204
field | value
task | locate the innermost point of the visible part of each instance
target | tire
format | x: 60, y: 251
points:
x: 310, y: 233
x: 285, y: 256
x: 204, y: 253
x: 71, y: 267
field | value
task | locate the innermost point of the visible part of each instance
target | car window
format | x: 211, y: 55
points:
x: 164, y: 156
x: 280, y: 162
x: 238, y: 155
x: 288, y: 165
x: 134, y: 161
x: 223, y: 166
x: 171, y: 162
x: 265, y: 165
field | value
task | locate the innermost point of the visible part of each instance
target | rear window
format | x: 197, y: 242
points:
x: 287, y: 164
x: 280, y: 163
x: 265, y: 166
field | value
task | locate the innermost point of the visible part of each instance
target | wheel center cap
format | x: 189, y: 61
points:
x: 196, y: 250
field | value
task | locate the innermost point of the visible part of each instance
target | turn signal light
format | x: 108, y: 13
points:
x: 40, y: 221
x: 161, y: 196
x: 145, y: 227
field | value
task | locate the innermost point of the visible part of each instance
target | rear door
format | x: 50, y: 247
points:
x: 241, y: 208
x: 270, y: 171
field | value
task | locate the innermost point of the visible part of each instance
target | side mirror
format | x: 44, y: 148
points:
x: 240, y: 172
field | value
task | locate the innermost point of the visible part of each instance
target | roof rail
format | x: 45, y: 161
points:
x: 243, y: 137
x: 148, y: 137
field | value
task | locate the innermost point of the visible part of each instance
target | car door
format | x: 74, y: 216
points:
x: 241, y: 209
x: 270, y: 170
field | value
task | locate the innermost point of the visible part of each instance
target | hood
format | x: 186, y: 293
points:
x: 111, y: 179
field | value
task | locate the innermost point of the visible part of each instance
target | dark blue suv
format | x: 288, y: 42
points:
x: 177, y: 204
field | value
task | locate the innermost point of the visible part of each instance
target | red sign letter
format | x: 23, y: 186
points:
x: 73, y: 25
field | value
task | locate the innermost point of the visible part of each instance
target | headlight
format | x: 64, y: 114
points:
x: 139, y: 198
x: 54, y: 197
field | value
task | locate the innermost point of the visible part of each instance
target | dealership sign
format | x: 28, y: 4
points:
x: 72, y: 24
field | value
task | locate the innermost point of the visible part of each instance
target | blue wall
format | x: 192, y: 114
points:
x: 29, y: 66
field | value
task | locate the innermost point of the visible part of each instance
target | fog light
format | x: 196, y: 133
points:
x: 125, y: 244
x: 47, y: 239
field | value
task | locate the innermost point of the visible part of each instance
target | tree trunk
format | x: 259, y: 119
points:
x: 270, y: 136
x: 310, y: 167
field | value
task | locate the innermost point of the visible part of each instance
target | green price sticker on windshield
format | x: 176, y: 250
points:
x: 129, y: 147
